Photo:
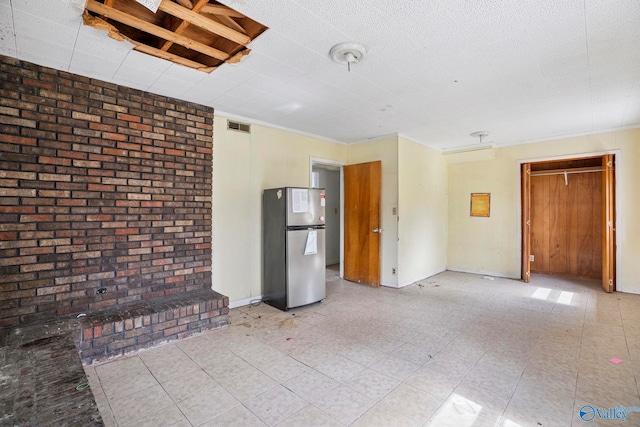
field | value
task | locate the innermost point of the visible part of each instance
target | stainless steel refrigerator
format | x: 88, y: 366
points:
x: 293, y: 246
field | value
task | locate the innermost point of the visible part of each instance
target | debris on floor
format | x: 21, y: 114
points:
x: 288, y: 323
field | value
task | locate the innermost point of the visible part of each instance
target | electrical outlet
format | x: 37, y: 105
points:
x: 394, y: 211
x: 532, y: 258
x: 393, y: 271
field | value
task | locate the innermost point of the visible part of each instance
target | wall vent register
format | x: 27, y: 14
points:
x: 237, y: 126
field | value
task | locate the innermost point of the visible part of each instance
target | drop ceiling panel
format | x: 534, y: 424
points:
x: 83, y: 63
x: 31, y: 26
x: 7, y: 37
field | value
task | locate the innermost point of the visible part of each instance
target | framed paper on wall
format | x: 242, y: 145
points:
x: 480, y: 204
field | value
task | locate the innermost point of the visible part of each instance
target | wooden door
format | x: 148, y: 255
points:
x: 362, y: 187
x: 525, y: 174
x: 608, y: 224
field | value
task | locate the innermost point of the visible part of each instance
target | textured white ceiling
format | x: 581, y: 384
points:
x: 435, y: 70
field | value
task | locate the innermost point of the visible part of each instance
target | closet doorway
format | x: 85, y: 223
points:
x: 568, y: 218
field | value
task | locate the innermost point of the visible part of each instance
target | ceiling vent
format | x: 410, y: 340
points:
x: 237, y: 126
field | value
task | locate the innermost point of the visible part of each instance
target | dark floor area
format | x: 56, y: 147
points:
x: 42, y: 382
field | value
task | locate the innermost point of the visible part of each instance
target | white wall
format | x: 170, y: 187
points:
x: 385, y: 150
x: 330, y: 181
x: 243, y: 166
x: 422, y: 211
x: 492, y: 245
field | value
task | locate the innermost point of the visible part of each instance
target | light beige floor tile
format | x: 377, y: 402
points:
x: 239, y: 416
x: 207, y: 404
x: 339, y: 368
x: 315, y: 354
x: 362, y: 354
x: 167, y: 417
x: 432, y: 382
x: 282, y: 368
x: 311, y: 385
x: 121, y: 368
x: 372, y: 384
x: 168, y: 371
x: 459, y: 411
x: 275, y: 405
x: 383, y: 415
x: 344, y: 404
x: 310, y: 416
x: 148, y: 401
x: 188, y: 384
x: 414, y: 353
x: 495, y: 382
x: 161, y: 355
x: 246, y: 383
x: 395, y: 367
x: 492, y: 405
x: 129, y: 383
x: 413, y: 403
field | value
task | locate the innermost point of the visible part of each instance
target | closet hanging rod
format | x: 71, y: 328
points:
x: 566, y: 172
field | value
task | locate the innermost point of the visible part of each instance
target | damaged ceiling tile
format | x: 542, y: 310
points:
x: 201, y: 34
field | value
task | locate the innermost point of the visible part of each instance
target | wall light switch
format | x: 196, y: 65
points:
x: 532, y: 258
x: 394, y: 211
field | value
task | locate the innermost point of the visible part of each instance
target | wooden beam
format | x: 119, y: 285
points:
x: 215, y: 9
x: 101, y: 24
x: 205, y: 23
x: 109, y: 2
x: 168, y: 56
x: 184, y: 24
x: 185, y: 3
x: 231, y: 23
x: 132, y: 21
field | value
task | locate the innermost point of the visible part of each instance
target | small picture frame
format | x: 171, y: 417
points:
x: 480, y: 204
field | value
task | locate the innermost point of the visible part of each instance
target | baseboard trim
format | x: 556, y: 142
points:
x: 245, y: 301
x: 402, y: 285
x: 482, y: 272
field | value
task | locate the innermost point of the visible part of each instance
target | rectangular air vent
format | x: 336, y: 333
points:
x: 240, y: 127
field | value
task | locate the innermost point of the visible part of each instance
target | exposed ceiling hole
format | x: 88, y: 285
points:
x: 201, y: 34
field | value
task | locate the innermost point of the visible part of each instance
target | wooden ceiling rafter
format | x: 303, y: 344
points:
x: 201, y: 34
x: 184, y: 24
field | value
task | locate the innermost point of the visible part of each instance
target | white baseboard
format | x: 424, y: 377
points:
x: 242, y: 302
x: 433, y: 273
x: 482, y: 272
x: 389, y: 285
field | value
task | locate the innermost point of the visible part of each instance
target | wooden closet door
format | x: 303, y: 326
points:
x: 608, y: 224
x: 525, y: 177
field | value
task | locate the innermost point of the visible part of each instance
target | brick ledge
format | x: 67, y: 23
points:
x: 110, y: 333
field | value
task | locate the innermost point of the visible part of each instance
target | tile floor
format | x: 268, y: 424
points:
x: 456, y: 350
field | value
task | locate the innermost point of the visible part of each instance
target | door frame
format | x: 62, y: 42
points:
x: 317, y: 161
x: 618, y: 223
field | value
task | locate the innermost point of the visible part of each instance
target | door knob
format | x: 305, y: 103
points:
x: 377, y: 230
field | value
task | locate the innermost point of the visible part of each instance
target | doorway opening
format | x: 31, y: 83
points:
x: 328, y: 175
x: 568, y: 218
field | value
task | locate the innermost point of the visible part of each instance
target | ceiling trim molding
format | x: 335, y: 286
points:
x: 251, y: 121
x: 375, y: 138
x: 567, y: 135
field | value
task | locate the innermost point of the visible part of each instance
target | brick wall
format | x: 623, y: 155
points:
x: 102, y: 188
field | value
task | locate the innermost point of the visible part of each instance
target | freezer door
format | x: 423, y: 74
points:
x: 305, y: 273
x: 305, y: 206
